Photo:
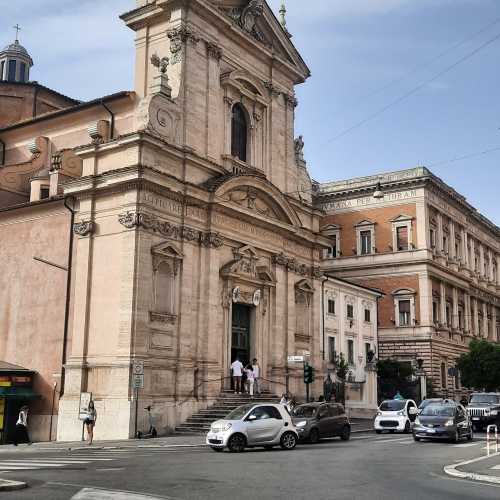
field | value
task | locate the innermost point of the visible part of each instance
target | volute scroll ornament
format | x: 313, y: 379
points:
x: 84, y: 228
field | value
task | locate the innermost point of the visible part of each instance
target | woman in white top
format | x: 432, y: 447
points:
x: 250, y: 379
x: 21, y: 434
x: 90, y: 421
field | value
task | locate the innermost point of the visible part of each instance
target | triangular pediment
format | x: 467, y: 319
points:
x: 365, y: 222
x: 256, y: 18
x: 402, y: 218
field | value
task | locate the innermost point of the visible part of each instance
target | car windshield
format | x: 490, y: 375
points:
x: 427, y: 402
x: 306, y: 411
x: 438, y: 411
x: 239, y: 413
x: 393, y: 405
x: 484, y: 398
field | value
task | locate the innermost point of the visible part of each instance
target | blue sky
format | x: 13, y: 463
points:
x: 363, y: 54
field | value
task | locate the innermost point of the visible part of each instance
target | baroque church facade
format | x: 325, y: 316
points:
x: 192, y: 234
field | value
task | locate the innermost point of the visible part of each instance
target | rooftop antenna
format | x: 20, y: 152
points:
x: 18, y: 29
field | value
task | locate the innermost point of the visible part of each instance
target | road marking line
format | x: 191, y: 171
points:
x: 465, y: 445
x: 496, y: 467
x: 391, y: 440
x: 452, y: 470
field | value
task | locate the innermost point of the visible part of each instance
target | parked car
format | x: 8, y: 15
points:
x: 395, y: 415
x: 251, y: 426
x: 314, y: 421
x: 427, y: 402
x: 483, y: 409
x: 443, y: 420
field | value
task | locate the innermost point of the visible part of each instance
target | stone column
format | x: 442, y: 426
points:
x: 425, y: 288
x: 485, y: 320
x: 476, y: 316
x: 467, y: 313
x: 465, y: 253
x: 443, y: 303
x: 451, y: 243
x: 481, y: 261
x: 454, y: 318
x: 439, y: 242
x: 497, y: 277
x: 472, y: 255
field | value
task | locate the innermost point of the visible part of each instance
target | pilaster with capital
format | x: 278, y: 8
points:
x: 442, y: 291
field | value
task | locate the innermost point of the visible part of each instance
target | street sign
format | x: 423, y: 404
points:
x: 295, y: 359
x: 138, y: 381
x: 85, y: 398
x: 138, y: 367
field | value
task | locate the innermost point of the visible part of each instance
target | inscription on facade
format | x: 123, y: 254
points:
x: 175, y: 207
x: 370, y: 200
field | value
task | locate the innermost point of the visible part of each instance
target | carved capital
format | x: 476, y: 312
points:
x: 214, y: 51
x: 84, y: 228
x: 178, y: 37
x: 273, y: 91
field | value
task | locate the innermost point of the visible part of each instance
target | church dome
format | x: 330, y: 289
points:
x: 15, y: 63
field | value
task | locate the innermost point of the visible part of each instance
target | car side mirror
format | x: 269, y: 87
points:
x: 412, y: 411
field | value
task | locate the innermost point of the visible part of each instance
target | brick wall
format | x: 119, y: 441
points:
x: 383, y: 226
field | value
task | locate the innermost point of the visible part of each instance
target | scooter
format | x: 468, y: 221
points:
x: 152, y: 433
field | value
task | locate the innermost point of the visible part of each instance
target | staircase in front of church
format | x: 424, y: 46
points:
x: 199, y: 423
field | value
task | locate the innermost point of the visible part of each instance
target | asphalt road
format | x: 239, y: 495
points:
x: 367, y: 467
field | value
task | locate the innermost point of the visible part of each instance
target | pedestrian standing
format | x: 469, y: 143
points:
x: 236, y: 369
x: 284, y: 399
x: 250, y: 379
x: 21, y: 435
x: 90, y: 421
x: 256, y: 375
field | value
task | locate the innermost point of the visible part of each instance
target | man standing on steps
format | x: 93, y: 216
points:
x: 256, y: 375
x: 237, y: 368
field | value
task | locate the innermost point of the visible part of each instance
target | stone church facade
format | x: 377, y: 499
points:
x: 191, y: 243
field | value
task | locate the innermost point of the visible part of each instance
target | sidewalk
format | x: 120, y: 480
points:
x: 358, y: 425
x: 483, y: 469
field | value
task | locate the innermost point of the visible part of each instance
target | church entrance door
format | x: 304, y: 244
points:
x: 240, y: 333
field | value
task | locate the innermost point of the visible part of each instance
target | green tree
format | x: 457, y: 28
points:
x: 480, y: 367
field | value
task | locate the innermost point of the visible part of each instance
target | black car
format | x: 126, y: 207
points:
x: 445, y: 420
x: 484, y: 409
x: 314, y: 421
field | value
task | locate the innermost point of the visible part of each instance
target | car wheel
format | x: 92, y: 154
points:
x: 288, y: 441
x: 416, y: 439
x: 378, y: 432
x: 314, y: 436
x: 455, y: 438
x: 268, y: 447
x: 470, y: 436
x: 215, y: 448
x: 407, y: 427
x: 236, y: 443
x: 346, y: 433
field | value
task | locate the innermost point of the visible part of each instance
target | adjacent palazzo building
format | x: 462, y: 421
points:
x: 435, y: 258
x: 164, y: 225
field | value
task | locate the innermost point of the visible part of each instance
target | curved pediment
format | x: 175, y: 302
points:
x: 259, y: 196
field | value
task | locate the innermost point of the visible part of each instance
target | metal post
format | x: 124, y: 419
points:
x: 52, y: 411
x: 287, y: 380
x: 136, y: 395
x: 307, y: 393
x: 488, y: 438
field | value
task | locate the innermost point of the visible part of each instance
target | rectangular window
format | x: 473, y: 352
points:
x: 448, y: 315
x: 331, y: 349
x: 445, y: 245
x: 435, y: 312
x: 44, y: 193
x: 367, y: 315
x: 402, y: 238
x: 2, y: 69
x: 350, y: 351
x: 433, y: 238
x: 368, y: 349
x: 331, y: 306
x: 350, y: 311
x: 366, y: 242
x: 461, y: 318
x: 22, y: 72
x: 332, y: 251
x: 458, y: 253
x: 12, y: 71
x: 404, y: 313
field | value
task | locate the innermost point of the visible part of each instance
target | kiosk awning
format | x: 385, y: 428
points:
x: 18, y: 393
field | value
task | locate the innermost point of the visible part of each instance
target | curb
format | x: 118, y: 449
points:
x: 451, y: 470
x: 6, y: 485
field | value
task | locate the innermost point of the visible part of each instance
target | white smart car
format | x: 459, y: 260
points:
x: 396, y: 415
x: 251, y: 426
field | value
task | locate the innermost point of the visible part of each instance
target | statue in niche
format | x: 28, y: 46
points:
x: 299, y: 148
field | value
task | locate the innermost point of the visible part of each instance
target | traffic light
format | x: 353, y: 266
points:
x: 308, y: 374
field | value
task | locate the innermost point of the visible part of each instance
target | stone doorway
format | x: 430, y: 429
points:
x: 240, y: 333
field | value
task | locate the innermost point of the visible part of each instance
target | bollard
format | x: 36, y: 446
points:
x: 488, y: 439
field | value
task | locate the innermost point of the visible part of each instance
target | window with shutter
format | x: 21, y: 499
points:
x: 239, y: 133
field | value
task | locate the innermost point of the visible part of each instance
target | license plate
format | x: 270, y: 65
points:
x: 475, y: 418
x: 431, y: 431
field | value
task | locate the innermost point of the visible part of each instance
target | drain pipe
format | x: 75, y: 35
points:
x: 112, y: 115
x: 2, y: 152
x: 68, y: 295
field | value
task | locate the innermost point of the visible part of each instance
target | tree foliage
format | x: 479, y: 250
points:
x: 480, y: 367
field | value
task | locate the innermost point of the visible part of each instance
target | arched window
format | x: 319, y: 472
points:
x: 239, y: 131
x: 164, y: 288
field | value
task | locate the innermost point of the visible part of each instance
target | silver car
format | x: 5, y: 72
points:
x: 251, y: 426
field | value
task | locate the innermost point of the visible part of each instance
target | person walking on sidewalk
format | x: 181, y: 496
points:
x: 256, y: 376
x: 90, y: 421
x: 21, y: 435
x: 236, y: 369
x: 250, y: 379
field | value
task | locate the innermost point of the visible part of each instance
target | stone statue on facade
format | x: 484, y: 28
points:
x: 328, y: 388
x: 299, y: 148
